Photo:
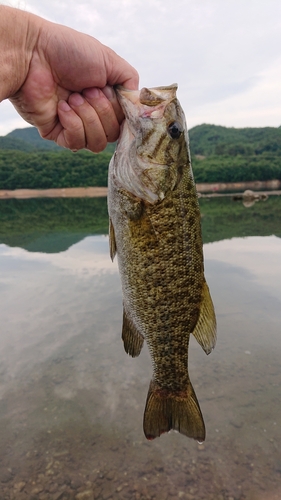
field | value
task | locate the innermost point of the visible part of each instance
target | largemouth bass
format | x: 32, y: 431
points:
x: 155, y: 231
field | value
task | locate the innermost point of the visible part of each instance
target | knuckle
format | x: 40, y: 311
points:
x: 106, y: 107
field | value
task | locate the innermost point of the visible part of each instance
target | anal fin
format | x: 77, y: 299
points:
x: 133, y: 340
x: 206, y: 326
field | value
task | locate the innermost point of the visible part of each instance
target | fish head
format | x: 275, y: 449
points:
x: 154, y: 140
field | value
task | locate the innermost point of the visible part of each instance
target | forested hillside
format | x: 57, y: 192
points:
x: 212, y: 140
x: 223, y: 154
x: 31, y: 137
x: 44, y: 170
x: 219, y: 154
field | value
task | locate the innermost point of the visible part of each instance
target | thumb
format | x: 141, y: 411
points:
x: 119, y: 71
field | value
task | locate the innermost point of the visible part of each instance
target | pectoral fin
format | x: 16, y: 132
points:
x: 133, y: 340
x: 206, y: 326
x: 131, y: 205
x: 112, y: 241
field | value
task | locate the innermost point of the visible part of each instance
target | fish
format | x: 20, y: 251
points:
x: 155, y: 231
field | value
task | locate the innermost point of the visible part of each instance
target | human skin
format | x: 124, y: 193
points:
x: 61, y: 81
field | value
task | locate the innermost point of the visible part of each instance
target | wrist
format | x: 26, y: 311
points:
x: 19, y: 32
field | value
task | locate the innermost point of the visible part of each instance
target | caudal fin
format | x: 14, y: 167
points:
x: 167, y: 410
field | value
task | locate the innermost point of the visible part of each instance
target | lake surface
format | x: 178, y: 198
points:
x: 72, y: 401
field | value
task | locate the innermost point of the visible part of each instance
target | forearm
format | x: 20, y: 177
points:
x: 18, y: 35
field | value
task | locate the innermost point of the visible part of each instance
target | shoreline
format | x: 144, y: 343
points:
x: 204, y: 189
x: 88, y: 192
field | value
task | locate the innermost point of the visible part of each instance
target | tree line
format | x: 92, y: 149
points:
x: 219, y: 154
x: 44, y: 170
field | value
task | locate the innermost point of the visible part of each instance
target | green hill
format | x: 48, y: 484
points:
x: 205, y: 140
x: 219, y: 154
x: 29, y: 137
x: 9, y: 143
x: 214, y: 140
x: 45, y: 170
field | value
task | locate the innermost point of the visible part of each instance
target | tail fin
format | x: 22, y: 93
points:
x: 167, y: 410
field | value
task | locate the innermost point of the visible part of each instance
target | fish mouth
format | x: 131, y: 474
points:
x: 145, y: 103
x: 123, y: 93
x: 148, y: 97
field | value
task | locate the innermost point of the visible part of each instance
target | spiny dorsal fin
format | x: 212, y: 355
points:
x: 206, y: 326
x: 112, y: 241
x: 133, y: 340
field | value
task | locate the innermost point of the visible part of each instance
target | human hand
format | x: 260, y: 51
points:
x: 68, y: 90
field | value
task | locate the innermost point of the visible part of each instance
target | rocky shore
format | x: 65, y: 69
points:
x: 82, y: 192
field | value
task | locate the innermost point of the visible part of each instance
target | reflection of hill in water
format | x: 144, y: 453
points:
x: 223, y: 218
x: 53, y: 225
x: 53, y: 242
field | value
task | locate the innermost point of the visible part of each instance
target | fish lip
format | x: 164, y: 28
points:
x: 127, y: 98
x: 119, y: 89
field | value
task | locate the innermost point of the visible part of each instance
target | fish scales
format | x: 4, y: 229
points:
x: 156, y: 232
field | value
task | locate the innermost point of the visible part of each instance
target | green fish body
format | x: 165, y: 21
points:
x: 155, y: 231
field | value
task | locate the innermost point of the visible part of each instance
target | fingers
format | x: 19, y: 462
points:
x: 71, y: 133
x: 112, y: 97
x: 107, y: 109
x: 90, y: 120
x: 94, y: 136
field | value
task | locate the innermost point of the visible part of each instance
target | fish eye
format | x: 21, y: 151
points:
x: 175, y: 130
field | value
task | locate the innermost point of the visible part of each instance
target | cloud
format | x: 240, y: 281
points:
x: 256, y: 106
x: 87, y: 258
x: 223, y: 55
x: 258, y: 255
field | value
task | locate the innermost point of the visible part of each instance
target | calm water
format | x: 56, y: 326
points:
x: 72, y: 401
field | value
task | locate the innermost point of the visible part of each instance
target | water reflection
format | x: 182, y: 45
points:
x: 53, y: 225
x: 71, y: 400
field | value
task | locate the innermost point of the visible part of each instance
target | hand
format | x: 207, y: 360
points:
x: 68, y: 90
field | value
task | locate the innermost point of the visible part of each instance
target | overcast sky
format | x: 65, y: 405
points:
x: 225, y: 55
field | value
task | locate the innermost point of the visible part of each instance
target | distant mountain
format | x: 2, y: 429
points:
x: 213, y: 140
x: 15, y: 144
x: 219, y: 154
x: 29, y: 139
x: 205, y: 140
x: 31, y: 136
